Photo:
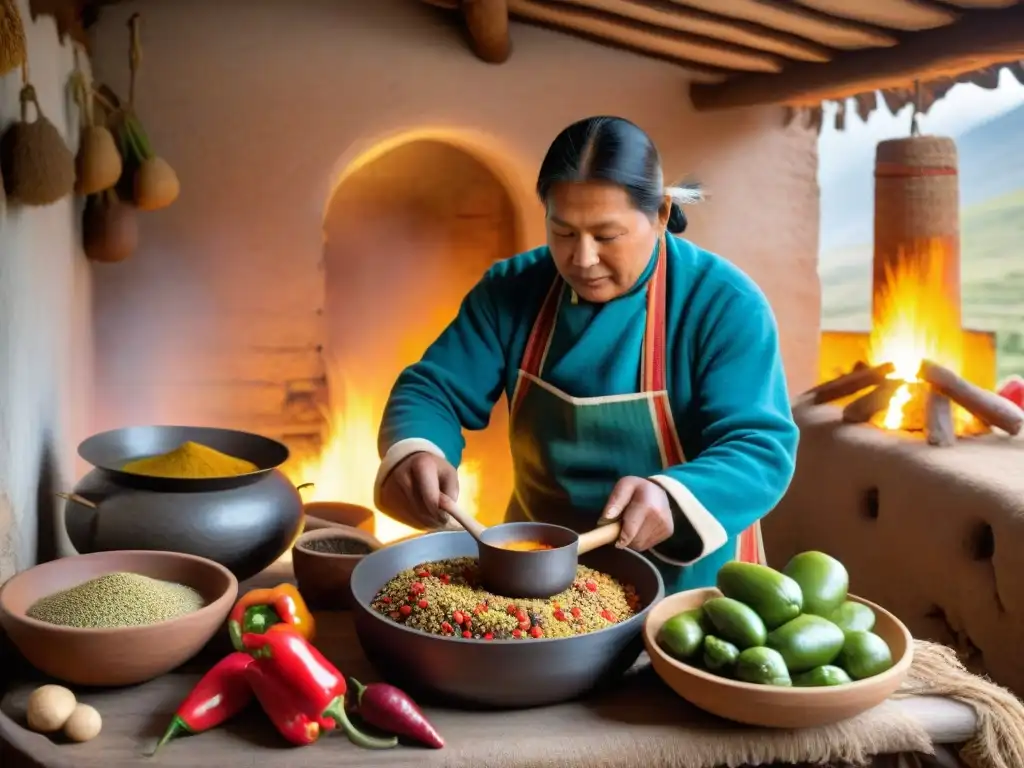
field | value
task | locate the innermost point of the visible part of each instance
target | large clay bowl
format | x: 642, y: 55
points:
x: 123, y: 656
x: 323, y: 577
x: 770, y: 706
x: 498, y: 673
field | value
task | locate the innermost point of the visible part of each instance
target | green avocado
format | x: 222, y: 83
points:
x: 853, y: 617
x: 682, y: 636
x: 762, y: 666
x: 864, y: 655
x: 719, y: 656
x: 774, y: 596
x: 821, y: 676
x: 806, y: 642
x: 823, y: 581
x: 735, y: 622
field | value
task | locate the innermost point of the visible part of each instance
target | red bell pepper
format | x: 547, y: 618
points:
x: 219, y: 695
x: 284, y: 653
x: 1013, y: 390
x: 390, y: 709
x: 283, y: 706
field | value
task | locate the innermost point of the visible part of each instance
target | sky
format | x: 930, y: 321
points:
x: 965, y: 106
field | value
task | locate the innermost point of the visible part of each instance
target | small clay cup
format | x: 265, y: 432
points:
x: 323, y: 577
x: 125, y: 655
x: 342, y: 513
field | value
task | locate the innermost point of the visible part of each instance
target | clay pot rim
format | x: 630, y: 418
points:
x: 311, y: 506
x: 899, y: 668
x: 335, y: 532
x: 228, y: 595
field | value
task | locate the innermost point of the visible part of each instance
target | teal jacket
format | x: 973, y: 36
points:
x: 724, y: 376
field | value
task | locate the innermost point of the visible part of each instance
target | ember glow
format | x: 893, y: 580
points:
x: 347, y: 464
x: 916, y: 316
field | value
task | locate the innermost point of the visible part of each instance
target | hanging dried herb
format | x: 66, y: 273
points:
x: 12, y: 37
x: 148, y: 180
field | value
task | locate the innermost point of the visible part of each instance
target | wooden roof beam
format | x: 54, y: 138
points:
x: 487, y: 26
x: 980, y: 39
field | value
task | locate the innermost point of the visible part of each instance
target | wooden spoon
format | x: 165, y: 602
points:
x: 473, y: 526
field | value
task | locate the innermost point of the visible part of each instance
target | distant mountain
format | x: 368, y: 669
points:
x: 991, y: 165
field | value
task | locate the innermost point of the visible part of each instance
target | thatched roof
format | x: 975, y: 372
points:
x: 798, y: 52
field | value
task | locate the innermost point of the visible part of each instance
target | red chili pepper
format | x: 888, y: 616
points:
x: 219, y: 695
x: 287, y: 655
x: 386, y: 707
x: 283, y: 706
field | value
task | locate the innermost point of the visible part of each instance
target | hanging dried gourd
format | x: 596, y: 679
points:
x: 98, y: 163
x: 12, y: 37
x: 148, y: 180
x: 110, y: 229
x: 36, y: 164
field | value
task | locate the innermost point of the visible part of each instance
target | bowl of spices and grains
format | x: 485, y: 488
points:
x: 427, y: 624
x: 116, y: 618
x: 323, y: 561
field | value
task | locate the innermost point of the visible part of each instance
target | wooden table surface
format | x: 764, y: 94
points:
x: 642, y: 721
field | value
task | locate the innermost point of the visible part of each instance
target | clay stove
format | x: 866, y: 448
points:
x: 931, y: 533
x: 917, y: 370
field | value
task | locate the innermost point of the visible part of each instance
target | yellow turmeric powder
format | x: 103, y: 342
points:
x: 190, y: 461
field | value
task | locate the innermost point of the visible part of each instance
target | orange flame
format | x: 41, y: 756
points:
x: 347, y: 464
x: 915, y: 318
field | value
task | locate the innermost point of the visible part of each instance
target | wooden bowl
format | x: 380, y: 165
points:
x: 771, y: 706
x: 123, y: 655
x: 323, y: 577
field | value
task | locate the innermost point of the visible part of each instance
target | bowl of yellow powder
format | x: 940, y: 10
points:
x: 215, y: 493
x: 116, y: 618
x: 171, y: 457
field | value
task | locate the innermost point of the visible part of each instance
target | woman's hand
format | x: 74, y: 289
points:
x: 411, y: 492
x: 645, y: 511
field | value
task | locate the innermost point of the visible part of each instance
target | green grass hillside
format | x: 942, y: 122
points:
x: 992, y: 248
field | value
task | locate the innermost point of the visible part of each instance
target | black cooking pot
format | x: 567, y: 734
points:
x: 496, y: 673
x: 244, y: 522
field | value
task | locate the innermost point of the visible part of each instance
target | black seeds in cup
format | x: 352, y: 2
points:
x: 337, y: 546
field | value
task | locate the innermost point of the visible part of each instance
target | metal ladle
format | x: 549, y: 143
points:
x: 529, y: 573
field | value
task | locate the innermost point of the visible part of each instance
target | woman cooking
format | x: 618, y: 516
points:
x: 643, y: 374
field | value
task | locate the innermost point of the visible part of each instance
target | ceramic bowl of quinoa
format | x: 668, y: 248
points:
x: 426, y: 623
x: 116, y: 618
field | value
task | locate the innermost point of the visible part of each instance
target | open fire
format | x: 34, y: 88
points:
x: 913, y: 379
x: 916, y: 317
x: 347, y: 464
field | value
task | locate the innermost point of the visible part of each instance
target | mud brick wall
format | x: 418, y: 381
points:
x: 216, y: 318
x: 935, y: 535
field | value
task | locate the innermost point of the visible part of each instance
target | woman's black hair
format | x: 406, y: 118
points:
x: 614, y: 150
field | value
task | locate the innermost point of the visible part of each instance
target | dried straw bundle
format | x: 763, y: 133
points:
x: 12, y: 37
